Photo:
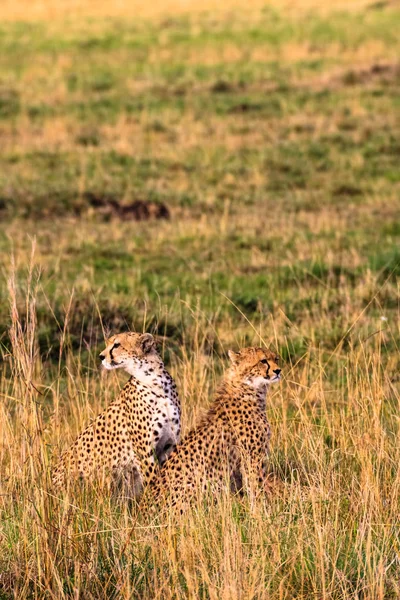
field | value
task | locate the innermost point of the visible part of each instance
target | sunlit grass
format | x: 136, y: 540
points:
x: 61, y: 9
x: 328, y: 528
x: 271, y: 133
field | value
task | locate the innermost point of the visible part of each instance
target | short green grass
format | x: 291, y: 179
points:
x: 273, y: 138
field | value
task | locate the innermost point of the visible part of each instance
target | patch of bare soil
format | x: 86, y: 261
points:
x: 382, y: 73
x: 109, y: 207
x: 372, y: 74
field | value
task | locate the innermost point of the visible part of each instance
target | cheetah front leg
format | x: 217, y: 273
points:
x: 165, y: 435
x: 254, y: 452
x: 149, y: 465
x: 165, y: 446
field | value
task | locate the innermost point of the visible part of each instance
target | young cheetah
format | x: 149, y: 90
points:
x: 231, y: 441
x: 141, y: 427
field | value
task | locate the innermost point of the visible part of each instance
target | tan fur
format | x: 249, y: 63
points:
x: 231, y: 442
x: 138, y: 430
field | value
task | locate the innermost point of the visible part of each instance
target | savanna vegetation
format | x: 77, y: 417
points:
x: 269, y: 133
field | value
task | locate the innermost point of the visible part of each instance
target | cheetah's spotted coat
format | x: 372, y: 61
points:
x: 231, y: 442
x: 138, y: 430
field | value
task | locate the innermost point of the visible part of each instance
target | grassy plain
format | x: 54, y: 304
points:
x: 272, y: 134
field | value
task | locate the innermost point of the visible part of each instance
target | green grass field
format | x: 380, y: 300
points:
x: 272, y: 136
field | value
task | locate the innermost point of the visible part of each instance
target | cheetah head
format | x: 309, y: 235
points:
x: 255, y: 367
x: 134, y: 352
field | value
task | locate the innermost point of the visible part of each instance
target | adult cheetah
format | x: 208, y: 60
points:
x: 138, y: 430
x: 231, y: 442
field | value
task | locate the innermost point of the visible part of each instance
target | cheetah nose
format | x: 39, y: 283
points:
x: 277, y: 371
x: 102, y: 356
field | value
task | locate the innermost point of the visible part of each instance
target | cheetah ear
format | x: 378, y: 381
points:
x: 234, y: 356
x: 146, y: 342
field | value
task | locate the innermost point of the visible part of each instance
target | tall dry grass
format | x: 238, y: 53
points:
x: 328, y: 530
x: 271, y: 134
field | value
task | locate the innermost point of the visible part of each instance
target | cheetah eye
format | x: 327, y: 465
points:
x: 116, y: 345
x: 277, y: 359
x: 264, y: 361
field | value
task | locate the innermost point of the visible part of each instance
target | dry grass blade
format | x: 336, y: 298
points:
x: 269, y: 133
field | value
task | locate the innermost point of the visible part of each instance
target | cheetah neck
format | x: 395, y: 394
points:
x: 239, y: 391
x: 159, y: 381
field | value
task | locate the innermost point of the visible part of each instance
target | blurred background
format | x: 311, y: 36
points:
x: 177, y: 162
